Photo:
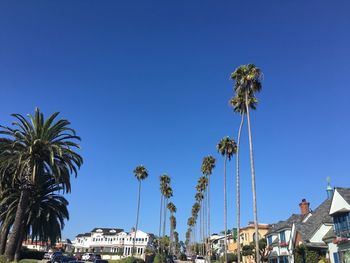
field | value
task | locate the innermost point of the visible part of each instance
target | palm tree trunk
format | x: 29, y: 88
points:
x: 208, y: 241
x: 170, y: 234
x: 225, y: 211
x: 253, y: 182
x: 164, y: 219
x: 160, y: 221
x: 17, y: 225
x: 137, y: 220
x: 3, y: 239
x: 238, y: 192
x: 19, y: 245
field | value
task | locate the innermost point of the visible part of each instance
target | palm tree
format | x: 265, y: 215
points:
x: 141, y: 174
x: 44, y: 217
x: 36, y: 147
x: 172, y: 209
x: 238, y: 104
x: 167, y: 192
x: 164, y: 183
x: 208, y: 165
x: 248, y: 82
x: 226, y: 147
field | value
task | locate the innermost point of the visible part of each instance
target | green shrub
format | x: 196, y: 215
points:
x: 230, y: 258
x: 3, y: 259
x: 28, y: 261
x: 158, y: 259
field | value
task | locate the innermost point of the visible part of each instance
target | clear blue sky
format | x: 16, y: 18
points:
x: 147, y: 82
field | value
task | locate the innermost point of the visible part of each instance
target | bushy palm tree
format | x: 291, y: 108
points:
x: 44, y: 216
x: 141, y: 174
x: 248, y: 82
x: 227, y: 148
x: 35, y: 147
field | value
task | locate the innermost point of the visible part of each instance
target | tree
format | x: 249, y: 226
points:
x: 141, y: 174
x: 207, y: 167
x: 172, y: 209
x: 35, y: 147
x: 226, y: 147
x: 249, y: 250
x: 164, y: 183
x: 238, y: 104
x: 248, y: 82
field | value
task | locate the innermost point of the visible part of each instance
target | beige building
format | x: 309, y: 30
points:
x: 247, y: 236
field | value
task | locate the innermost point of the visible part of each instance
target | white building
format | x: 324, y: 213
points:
x: 309, y: 228
x: 113, y: 242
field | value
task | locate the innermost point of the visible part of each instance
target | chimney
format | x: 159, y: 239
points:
x: 304, y: 207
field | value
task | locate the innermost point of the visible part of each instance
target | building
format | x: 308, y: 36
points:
x: 338, y: 238
x: 113, y: 241
x: 247, y: 236
x: 309, y: 230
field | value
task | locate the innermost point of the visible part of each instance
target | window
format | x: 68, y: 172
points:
x: 283, y: 259
x: 342, y: 224
x: 282, y: 236
x: 269, y: 240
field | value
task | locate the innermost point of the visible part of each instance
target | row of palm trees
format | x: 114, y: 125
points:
x: 37, y: 159
x: 247, y: 83
x: 166, y: 192
x: 201, y: 206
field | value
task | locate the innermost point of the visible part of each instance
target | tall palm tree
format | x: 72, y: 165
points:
x: 248, y: 82
x: 238, y: 104
x: 35, y: 147
x: 172, y: 209
x: 164, y: 181
x: 226, y: 147
x: 167, y: 192
x: 141, y: 174
x: 208, y: 165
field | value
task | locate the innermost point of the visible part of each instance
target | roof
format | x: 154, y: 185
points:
x: 294, y: 218
x: 84, y: 235
x: 319, y: 216
x: 344, y: 192
x: 106, y: 231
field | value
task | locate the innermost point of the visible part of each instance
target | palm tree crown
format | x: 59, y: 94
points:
x: 37, y: 147
x: 227, y: 147
x: 248, y: 79
x: 140, y: 172
x: 208, y: 165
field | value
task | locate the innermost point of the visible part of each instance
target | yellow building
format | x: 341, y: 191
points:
x: 247, y: 236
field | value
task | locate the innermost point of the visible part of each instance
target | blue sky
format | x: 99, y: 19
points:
x: 147, y: 82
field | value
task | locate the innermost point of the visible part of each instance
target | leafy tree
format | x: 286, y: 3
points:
x: 141, y: 174
x: 249, y: 250
x: 227, y: 148
x: 35, y: 147
x: 248, y: 82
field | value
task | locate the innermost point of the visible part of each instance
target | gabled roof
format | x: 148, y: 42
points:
x: 319, y: 216
x: 344, y: 192
x: 294, y: 218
